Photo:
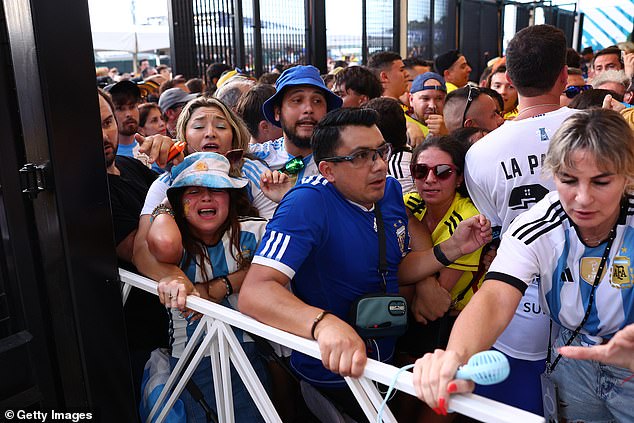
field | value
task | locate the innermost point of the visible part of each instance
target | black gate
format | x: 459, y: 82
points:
x: 62, y: 338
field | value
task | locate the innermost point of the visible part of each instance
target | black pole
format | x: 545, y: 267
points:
x: 364, y: 32
x: 432, y: 49
x: 396, y: 26
x: 238, y: 33
x: 316, y: 33
x: 257, y: 39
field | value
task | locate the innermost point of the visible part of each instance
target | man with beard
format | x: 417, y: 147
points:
x: 129, y: 181
x: 301, y: 100
x: 126, y: 97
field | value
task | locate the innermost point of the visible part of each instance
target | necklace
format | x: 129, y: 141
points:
x: 596, y: 240
x: 524, y: 110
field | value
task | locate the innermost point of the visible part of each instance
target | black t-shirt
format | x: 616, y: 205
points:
x: 127, y: 194
x: 146, y: 318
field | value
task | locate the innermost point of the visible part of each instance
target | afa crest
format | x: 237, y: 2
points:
x: 621, y: 276
x: 246, y: 252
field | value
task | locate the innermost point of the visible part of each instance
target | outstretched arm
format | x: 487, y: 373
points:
x: 470, y: 234
x: 429, y: 300
x: 157, y: 147
x: 619, y: 351
x: 476, y: 329
x: 265, y: 297
x: 174, y: 286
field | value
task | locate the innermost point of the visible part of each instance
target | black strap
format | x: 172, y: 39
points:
x: 382, y: 245
x: 474, y: 281
x: 550, y: 368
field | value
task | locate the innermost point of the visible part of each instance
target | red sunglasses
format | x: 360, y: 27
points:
x: 441, y: 171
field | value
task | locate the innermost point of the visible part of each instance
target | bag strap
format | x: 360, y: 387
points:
x: 380, y: 229
x: 474, y: 281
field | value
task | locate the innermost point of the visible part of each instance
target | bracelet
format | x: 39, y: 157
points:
x: 316, y: 321
x: 440, y: 256
x: 159, y: 210
x: 226, y: 282
x: 227, y: 285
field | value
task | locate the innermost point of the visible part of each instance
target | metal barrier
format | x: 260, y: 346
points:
x: 218, y: 338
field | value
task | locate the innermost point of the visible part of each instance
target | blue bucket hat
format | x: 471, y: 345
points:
x: 298, y: 75
x: 419, y: 83
x: 203, y: 169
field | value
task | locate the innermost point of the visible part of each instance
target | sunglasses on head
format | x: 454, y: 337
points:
x: 294, y: 165
x: 474, y: 92
x: 441, y: 171
x: 574, y: 90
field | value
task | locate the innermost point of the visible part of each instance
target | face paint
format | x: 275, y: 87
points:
x: 186, y: 207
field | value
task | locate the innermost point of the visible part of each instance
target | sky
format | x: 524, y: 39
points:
x: 108, y: 14
x: 118, y: 13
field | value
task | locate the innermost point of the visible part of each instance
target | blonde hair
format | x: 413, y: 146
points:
x: 602, y: 133
x: 240, y: 133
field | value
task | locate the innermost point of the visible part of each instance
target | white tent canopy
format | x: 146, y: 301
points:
x: 134, y: 39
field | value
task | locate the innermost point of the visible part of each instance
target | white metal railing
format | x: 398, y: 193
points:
x: 218, y: 339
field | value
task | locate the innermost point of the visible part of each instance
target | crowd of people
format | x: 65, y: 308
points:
x: 499, y: 211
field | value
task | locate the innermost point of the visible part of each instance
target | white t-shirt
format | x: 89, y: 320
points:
x: 398, y: 167
x: 275, y: 155
x: 504, y: 178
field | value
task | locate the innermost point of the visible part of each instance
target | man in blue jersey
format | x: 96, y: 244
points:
x: 324, y: 239
x: 300, y: 102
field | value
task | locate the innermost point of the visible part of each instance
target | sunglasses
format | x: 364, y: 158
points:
x: 474, y: 92
x: 363, y: 156
x: 294, y: 165
x: 441, y: 171
x: 574, y: 90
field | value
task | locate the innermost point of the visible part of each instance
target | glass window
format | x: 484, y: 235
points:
x: 380, y: 23
x: 283, y: 32
x: 419, y: 29
x: 344, y: 30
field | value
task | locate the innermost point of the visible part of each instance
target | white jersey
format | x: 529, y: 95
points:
x: 275, y: 155
x: 504, y: 178
x: 503, y: 169
x: 544, y: 243
x: 251, y: 169
x: 220, y: 261
x: 398, y: 166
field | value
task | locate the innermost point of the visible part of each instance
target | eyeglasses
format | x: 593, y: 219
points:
x: 294, y: 165
x: 474, y: 92
x: 364, y: 156
x: 441, y: 171
x: 574, y: 90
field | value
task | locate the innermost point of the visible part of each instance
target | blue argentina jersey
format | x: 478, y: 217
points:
x: 328, y: 247
x: 543, y: 242
x: 275, y: 155
x: 223, y: 263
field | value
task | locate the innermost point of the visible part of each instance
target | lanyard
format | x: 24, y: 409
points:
x: 550, y: 368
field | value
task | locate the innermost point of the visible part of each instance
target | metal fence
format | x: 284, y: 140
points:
x: 256, y: 35
x: 214, y: 337
x: 252, y: 35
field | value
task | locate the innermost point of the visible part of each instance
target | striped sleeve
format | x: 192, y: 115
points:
x: 293, y: 232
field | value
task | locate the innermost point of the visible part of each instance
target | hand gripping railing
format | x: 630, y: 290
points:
x: 218, y: 339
